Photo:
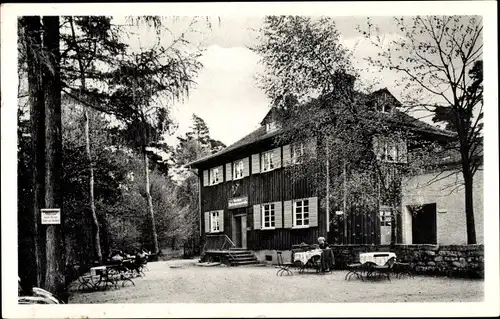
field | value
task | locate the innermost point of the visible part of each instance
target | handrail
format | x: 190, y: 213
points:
x: 218, y: 242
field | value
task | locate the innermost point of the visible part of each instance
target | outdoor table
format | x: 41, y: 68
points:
x: 378, y: 258
x: 305, y: 256
x: 327, y: 259
x: 94, y: 271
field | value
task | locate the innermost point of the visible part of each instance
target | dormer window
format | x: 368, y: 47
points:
x: 382, y: 104
x: 271, y: 126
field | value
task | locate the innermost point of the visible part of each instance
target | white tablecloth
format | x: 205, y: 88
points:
x: 375, y: 257
x: 94, y: 270
x: 304, y: 256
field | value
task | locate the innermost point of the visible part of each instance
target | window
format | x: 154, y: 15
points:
x: 297, y: 152
x: 382, y: 104
x: 385, y: 216
x: 301, y: 213
x: 268, y: 216
x: 267, y: 161
x: 238, y: 169
x: 214, y: 222
x: 392, y: 151
x: 215, y: 176
x: 271, y: 126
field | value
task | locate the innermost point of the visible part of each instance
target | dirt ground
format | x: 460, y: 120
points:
x: 181, y: 281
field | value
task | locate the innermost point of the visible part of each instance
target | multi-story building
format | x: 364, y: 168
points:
x: 248, y: 196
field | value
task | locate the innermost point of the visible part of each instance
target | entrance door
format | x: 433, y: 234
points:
x: 239, y: 231
x: 424, y: 224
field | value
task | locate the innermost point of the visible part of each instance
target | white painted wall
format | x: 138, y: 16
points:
x: 451, y: 226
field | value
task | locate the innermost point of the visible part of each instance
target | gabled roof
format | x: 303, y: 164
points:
x: 260, y: 134
x: 257, y: 135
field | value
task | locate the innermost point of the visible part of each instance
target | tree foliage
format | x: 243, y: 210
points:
x: 439, y: 60
x: 309, y: 77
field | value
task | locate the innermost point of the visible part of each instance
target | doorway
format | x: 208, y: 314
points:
x: 239, y: 230
x: 423, y: 226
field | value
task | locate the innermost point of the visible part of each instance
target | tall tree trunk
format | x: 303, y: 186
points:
x: 469, y: 208
x: 37, y: 118
x: 150, y: 201
x: 55, y: 254
x: 97, y: 237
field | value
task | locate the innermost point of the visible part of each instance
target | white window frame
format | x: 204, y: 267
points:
x: 270, y: 162
x: 297, y: 158
x: 215, y: 222
x: 391, y: 148
x: 238, y: 169
x: 385, y: 216
x: 271, y: 126
x: 303, y: 219
x: 271, y: 210
x: 212, y: 172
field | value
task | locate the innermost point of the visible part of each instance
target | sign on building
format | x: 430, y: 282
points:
x: 237, y: 202
x: 51, y: 216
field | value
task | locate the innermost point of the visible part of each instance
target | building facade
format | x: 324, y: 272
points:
x: 433, y: 208
x: 248, y: 195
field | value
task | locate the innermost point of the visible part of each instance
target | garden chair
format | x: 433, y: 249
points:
x: 385, y: 269
x: 403, y: 269
x: 354, y: 269
x: 282, y: 266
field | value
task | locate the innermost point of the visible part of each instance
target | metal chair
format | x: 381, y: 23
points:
x: 354, y: 270
x: 403, y: 269
x: 385, y: 269
x: 282, y: 266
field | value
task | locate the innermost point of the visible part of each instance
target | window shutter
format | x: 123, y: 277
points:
x: 221, y: 174
x: 221, y: 221
x: 288, y: 214
x: 313, y: 211
x: 256, y: 217
x: 255, y: 163
x: 376, y: 147
x: 205, y: 178
x: 229, y: 172
x: 246, y: 167
x: 277, y: 157
x: 278, y: 219
x: 402, y: 152
x: 287, y: 155
x: 310, y: 147
x: 207, y: 222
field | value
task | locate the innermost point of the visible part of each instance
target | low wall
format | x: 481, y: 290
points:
x: 452, y: 260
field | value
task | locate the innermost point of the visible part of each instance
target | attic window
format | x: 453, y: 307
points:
x: 382, y: 105
x: 271, y: 126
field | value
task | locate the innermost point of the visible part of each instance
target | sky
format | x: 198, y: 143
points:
x: 226, y: 95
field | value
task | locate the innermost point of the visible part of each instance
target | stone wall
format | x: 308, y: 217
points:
x: 450, y: 260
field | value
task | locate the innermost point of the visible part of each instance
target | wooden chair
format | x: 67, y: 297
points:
x: 282, y: 266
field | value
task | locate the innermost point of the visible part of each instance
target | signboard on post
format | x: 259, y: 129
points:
x: 51, y: 216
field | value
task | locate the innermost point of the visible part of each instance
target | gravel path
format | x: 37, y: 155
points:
x: 186, y: 282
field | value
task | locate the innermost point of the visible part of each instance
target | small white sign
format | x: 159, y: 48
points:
x: 339, y: 212
x: 51, y: 216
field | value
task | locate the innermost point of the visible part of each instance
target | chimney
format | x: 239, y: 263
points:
x: 344, y: 81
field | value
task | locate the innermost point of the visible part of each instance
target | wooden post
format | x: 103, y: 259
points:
x: 346, y: 241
